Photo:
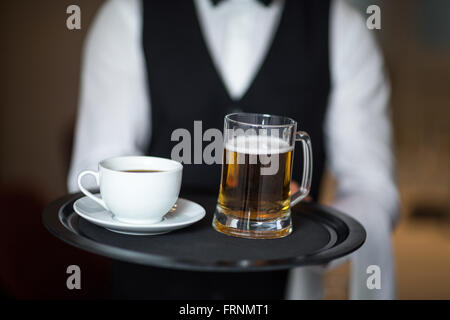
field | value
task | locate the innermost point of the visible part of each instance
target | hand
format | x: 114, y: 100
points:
x: 295, y: 187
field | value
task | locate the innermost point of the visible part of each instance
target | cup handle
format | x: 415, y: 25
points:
x: 88, y: 193
x: 305, y: 186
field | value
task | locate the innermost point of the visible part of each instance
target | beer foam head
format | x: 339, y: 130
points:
x: 257, y: 144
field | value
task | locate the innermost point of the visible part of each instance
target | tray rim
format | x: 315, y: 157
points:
x: 355, y: 239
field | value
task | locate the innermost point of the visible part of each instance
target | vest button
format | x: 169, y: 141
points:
x: 234, y: 109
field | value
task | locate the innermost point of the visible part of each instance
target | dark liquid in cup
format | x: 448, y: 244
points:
x: 141, y: 170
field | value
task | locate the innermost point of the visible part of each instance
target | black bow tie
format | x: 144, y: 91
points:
x: 265, y: 2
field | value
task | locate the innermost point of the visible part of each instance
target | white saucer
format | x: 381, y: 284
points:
x: 185, y: 214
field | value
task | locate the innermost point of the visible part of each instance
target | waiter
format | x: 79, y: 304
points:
x: 151, y: 67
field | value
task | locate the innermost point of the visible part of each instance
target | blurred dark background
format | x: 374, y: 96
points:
x: 40, y: 67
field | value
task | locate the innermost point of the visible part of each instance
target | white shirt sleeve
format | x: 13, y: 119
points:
x: 358, y: 142
x: 114, y: 112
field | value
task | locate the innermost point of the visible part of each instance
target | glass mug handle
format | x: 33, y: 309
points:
x: 305, y: 185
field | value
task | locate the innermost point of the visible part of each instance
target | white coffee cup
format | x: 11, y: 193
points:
x: 136, y: 197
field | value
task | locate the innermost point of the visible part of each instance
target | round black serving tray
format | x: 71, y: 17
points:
x: 320, y: 234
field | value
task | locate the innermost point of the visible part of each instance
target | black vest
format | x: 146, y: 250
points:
x: 185, y: 86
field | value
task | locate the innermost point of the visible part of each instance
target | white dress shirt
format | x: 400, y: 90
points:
x: 115, y: 111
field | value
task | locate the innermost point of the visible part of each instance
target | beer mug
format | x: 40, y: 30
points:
x: 254, y: 198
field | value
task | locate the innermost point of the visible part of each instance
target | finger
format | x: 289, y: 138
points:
x: 294, y: 187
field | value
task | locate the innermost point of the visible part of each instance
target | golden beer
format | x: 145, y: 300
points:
x: 249, y: 194
x: 254, y: 199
